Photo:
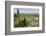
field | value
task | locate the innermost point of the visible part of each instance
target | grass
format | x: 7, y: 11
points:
x: 26, y: 20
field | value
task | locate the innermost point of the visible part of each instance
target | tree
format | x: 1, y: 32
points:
x: 18, y: 14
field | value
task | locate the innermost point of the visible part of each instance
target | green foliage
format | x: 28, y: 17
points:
x: 20, y: 20
x: 21, y: 23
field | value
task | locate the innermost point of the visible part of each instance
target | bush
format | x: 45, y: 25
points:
x: 22, y: 23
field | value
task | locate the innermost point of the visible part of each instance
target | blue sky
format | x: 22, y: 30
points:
x: 26, y: 10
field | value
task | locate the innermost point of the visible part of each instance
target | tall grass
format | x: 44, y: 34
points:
x: 25, y: 20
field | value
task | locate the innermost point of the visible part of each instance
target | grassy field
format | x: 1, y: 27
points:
x: 26, y: 20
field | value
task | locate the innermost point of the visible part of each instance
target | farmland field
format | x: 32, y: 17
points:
x: 26, y: 20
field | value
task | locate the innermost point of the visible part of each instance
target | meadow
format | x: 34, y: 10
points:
x: 26, y: 20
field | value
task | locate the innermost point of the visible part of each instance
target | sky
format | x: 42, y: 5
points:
x: 26, y: 10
